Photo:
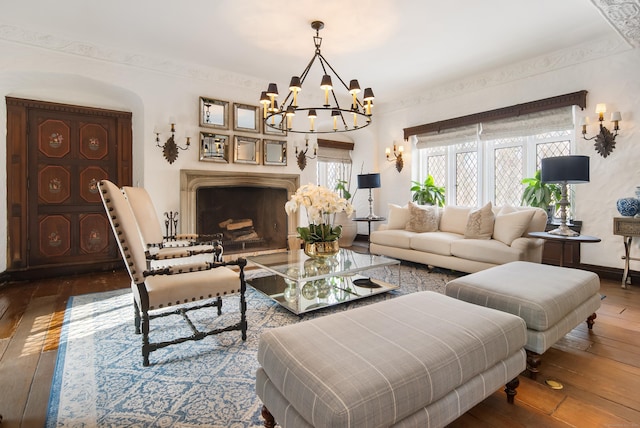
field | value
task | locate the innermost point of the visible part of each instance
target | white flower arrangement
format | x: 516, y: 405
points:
x: 321, y: 205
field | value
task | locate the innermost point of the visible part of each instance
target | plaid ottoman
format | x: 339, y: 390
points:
x: 421, y: 359
x: 551, y: 300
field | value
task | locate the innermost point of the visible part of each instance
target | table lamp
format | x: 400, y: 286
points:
x: 369, y: 181
x: 565, y: 170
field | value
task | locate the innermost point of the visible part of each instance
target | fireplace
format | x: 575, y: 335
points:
x: 248, y: 208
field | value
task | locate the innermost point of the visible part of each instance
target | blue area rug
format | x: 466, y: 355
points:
x: 99, y: 379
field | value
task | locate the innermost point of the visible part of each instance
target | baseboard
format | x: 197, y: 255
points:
x: 605, y: 272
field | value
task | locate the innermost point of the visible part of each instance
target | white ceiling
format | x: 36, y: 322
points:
x: 396, y: 47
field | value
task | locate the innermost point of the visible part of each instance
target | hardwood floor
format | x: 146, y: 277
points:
x: 599, y: 369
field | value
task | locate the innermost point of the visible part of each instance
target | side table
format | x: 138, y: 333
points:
x: 369, y: 220
x: 563, y: 240
x: 628, y: 227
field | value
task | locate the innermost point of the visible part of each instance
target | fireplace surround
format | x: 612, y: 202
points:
x: 203, y: 182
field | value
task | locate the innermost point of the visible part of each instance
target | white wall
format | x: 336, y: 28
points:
x: 153, y: 97
x: 612, y: 80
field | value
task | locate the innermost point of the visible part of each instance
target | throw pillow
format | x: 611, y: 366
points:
x: 511, y: 226
x: 454, y: 219
x: 422, y: 218
x: 398, y: 217
x: 480, y: 223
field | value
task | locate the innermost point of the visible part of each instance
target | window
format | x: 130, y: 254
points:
x: 332, y: 171
x: 334, y: 163
x: 490, y: 165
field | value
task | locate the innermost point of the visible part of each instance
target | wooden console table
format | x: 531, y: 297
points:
x: 628, y: 227
x: 563, y: 240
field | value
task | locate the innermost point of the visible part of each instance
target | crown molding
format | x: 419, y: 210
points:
x: 584, y: 52
x: 52, y: 42
x: 623, y: 16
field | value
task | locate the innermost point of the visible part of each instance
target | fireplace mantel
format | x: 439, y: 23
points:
x: 191, y: 180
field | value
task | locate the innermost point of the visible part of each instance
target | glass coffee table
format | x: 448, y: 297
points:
x: 301, y: 284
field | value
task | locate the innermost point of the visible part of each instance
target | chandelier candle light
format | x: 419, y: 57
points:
x: 325, y: 118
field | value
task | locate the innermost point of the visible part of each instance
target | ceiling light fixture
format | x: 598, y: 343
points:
x: 325, y: 118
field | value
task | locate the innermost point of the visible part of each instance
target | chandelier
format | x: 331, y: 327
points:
x: 325, y: 118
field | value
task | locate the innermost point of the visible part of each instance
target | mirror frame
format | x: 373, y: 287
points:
x: 225, y: 113
x: 205, y: 155
x: 282, y: 148
x: 268, y: 130
x: 256, y: 120
x: 237, y: 152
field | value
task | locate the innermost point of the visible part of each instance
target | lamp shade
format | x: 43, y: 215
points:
x: 368, y: 181
x: 569, y: 169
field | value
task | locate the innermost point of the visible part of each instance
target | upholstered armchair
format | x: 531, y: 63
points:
x: 155, y: 291
x: 158, y: 246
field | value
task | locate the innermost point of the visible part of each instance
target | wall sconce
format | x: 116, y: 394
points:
x: 395, y: 156
x: 605, y: 140
x: 301, y: 155
x: 170, y: 148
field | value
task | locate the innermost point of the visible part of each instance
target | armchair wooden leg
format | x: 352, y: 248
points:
x: 146, y: 350
x: 136, y: 319
x: 219, y: 305
x: 243, y: 302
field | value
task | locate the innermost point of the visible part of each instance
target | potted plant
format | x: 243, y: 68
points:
x: 427, y: 193
x: 542, y: 195
x: 321, y: 235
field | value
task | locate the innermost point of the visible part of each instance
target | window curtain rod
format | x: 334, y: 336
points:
x: 575, y: 98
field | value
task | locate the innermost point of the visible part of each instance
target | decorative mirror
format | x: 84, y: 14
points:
x: 245, y: 118
x: 274, y: 121
x: 214, y: 113
x: 274, y: 152
x: 246, y: 150
x: 214, y: 147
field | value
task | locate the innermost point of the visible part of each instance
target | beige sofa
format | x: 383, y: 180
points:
x: 460, y: 238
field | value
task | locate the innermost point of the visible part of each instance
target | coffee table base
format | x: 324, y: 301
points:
x: 321, y: 293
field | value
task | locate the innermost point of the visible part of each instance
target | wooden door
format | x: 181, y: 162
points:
x: 68, y: 150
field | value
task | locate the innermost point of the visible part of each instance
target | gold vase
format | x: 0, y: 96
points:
x: 321, y: 250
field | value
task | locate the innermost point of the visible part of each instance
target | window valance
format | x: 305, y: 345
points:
x: 448, y: 137
x: 334, y: 151
x: 567, y: 100
x: 559, y: 119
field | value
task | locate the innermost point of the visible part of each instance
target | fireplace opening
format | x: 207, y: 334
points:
x: 249, y: 217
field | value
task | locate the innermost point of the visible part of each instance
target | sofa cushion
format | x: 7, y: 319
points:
x: 510, y: 226
x: 398, y: 217
x: 434, y: 242
x: 454, y: 219
x: 486, y: 251
x: 398, y: 238
x: 422, y: 218
x: 480, y: 223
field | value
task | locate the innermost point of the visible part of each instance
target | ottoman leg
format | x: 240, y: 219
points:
x: 510, y: 389
x: 533, y: 362
x: 269, y: 421
x: 591, y: 320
